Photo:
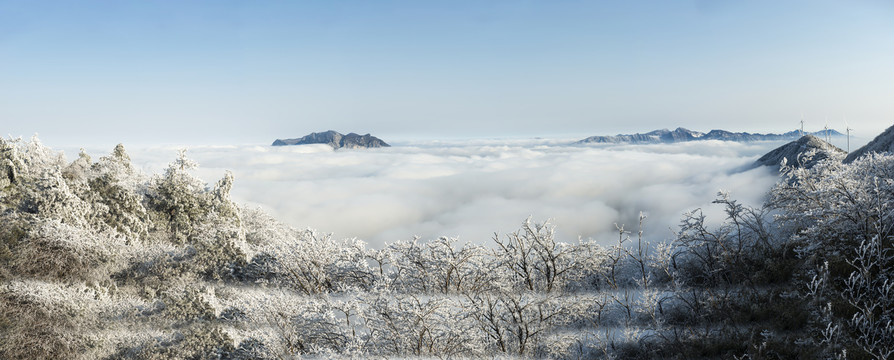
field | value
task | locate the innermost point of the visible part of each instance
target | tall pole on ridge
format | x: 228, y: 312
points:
x: 848, y: 129
x: 802, y: 125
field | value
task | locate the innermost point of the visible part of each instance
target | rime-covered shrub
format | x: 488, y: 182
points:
x: 12, y: 233
x: 190, y: 342
x: 99, y: 196
x: 187, y: 306
x: 439, y: 266
x: 728, y: 254
x: 185, y: 325
x: 157, y: 268
x: 311, y: 263
x: 592, y: 270
x: 10, y: 164
x: 55, y: 250
x: 533, y: 259
x: 46, y: 320
x: 842, y: 218
x: 412, y: 325
x: 51, y: 197
x: 21, y: 162
x: 178, y: 198
x: 116, y: 190
x: 518, y: 323
x: 720, y: 287
x: 313, y: 328
x: 250, y: 349
x: 34, y: 183
x: 35, y: 330
x: 837, y: 199
x: 217, y: 252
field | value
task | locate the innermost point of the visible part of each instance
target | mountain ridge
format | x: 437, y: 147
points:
x: 335, y: 139
x: 805, y: 152
x: 883, y: 143
x: 664, y: 136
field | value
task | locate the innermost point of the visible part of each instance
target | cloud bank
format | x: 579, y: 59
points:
x: 472, y: 189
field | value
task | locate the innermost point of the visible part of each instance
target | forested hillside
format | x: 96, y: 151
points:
x: 98, y: 260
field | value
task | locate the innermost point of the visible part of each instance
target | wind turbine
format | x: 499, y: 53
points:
x: 802, y: 125
x: 848, y: 129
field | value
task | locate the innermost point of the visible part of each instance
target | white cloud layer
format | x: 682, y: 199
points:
x: 472, y: 189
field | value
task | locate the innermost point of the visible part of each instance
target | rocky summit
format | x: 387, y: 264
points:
x: 336, y: 140
x: 804, y: 152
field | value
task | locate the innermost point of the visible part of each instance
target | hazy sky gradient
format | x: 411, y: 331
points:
x: 249, y: 71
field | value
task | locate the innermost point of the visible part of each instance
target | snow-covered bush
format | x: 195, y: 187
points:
x: 533, y: 259
x: 34, y: 327
x: 178, y: 198
x: 438, y: 266
x: 730, y: 253
x: 115, y: 189
x: 869, y: 290
x: 518, y: 322
x: 55, y: 250
x: 309, y: 262
x: 12, y: 232
x: 842, y: 218
x: 419, y: 325
x: 312, y: 327
x: 837, y: 206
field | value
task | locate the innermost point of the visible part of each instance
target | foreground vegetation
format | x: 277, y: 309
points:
x: 98, y: 260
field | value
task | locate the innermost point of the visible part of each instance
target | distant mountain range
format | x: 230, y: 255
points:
x: 681, y: 135
x: 336, y: 140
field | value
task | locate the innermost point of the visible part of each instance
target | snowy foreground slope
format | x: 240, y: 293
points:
x: 98, y: 260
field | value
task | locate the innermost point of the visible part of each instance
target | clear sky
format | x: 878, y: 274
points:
x: 252, y: 71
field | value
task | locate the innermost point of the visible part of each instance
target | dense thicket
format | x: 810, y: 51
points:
x: 98, y: 260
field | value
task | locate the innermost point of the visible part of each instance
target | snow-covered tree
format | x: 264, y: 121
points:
x: 438, y: 266
x: 179, y: 198
x: 419, y: 325
x: 842, y: 218
x: 533, y: 257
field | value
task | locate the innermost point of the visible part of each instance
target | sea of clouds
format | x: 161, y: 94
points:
x: 472, y: 189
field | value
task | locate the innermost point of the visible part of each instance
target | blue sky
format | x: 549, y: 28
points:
x: 253, y: 71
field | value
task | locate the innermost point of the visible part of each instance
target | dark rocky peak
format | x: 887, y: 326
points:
x: 336, y: 140
x: 353, y: 140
